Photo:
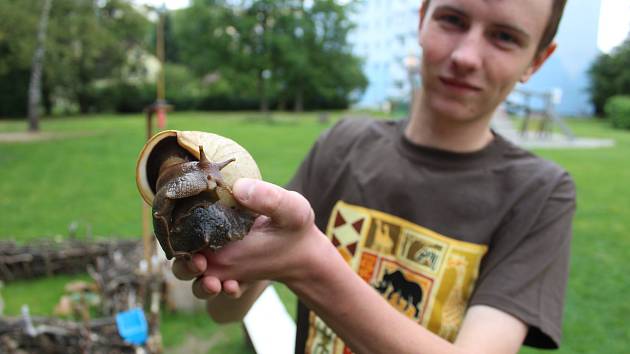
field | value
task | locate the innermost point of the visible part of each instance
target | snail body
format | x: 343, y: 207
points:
x: 190, y: 190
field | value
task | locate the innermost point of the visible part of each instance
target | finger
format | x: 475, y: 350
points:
x: 285, y: 208
x: 232, y: 288
x: 184, y: 269
x: 206, y: 287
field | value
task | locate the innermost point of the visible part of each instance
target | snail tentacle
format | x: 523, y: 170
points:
x: 193, y: 203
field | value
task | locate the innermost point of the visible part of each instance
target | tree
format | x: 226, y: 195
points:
x: 35, y: 87
x: 171, y: 50
x: 94, y: 43
x: 278, y: 52
x: 291, y: 54
x: 90, y: 45
x: 610, y: 76
x: 18, y: 26
x: 208, y: 41
x: 334, y: 72
x: 248, y: 54
x: 307, y: 53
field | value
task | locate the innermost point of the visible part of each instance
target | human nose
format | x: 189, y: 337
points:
x: 466, y: 57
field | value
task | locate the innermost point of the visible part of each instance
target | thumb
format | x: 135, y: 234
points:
x: 285, y: 208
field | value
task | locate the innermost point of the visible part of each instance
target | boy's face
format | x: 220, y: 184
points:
x: 474, y: 52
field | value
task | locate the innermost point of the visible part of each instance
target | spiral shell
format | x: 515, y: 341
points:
x: 207, y: 219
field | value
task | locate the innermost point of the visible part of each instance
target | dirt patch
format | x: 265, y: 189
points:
x: 27, y: 137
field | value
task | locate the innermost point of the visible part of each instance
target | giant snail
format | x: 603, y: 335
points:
x: 187, y: 178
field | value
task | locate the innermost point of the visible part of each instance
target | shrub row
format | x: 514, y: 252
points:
x: 617, y: 109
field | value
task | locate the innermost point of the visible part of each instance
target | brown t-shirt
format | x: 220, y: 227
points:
x: 435, y: 231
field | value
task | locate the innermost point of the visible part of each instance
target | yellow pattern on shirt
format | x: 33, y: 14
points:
x: 425, y: 275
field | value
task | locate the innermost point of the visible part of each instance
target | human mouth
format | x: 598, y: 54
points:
x: 459, y: 85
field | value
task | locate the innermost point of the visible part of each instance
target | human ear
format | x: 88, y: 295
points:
x: 538, y: 61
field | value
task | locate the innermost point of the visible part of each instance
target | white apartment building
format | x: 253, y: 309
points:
x: 386, y: 34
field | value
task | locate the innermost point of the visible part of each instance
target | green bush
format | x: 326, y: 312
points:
x: 618, y: 110
x: 14, y: 93
x: 121, y: 97
x: 610, y: 76
x: 183, y: 88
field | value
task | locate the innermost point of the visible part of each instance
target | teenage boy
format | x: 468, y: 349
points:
x: 432, y: 235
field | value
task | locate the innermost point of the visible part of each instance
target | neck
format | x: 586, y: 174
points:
x: 430, y: 129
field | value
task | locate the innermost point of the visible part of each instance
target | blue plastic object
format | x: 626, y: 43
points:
x: 132, y: 326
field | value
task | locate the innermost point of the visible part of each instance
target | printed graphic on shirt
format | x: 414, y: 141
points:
x: 427, y: 276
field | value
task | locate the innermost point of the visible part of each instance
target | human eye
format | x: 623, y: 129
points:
x: 451, y: 21
x: 506, y: 39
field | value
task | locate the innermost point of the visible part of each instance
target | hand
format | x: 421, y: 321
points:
x: 205, y: 287
x: 281, y: 245
x: 278, y: 246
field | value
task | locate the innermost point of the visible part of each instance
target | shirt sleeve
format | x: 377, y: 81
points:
x: 314, y: 170
x: 303, y: 176
x: 526, y: 269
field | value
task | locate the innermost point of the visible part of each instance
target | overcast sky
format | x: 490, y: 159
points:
x: 170, y: 4
x: 614, y: 24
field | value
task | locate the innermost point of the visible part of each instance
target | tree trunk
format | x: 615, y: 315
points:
x: 47, y: 96
x: 35, y: 86
x: 262, y: 93
x: 299, y: 100
x: 263, y: 77
x: 83, y: 99
x: 282, y: 103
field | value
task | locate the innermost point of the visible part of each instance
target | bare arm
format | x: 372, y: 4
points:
x: 498, y: 331
x: 286, y: 246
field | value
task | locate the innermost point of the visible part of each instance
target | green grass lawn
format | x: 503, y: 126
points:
x: 89, y: 178
x: 597, y: 310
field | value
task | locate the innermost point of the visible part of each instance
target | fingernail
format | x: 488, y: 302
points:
x: 243, y: 188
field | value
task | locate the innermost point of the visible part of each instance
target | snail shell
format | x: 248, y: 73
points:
x: 187, y: 178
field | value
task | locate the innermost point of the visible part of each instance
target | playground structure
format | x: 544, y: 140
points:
x: 540, y: 106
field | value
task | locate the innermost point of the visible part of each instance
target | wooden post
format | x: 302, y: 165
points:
x: 147, y: 236
x: 161, y: 86
x: 160, y: 54
x: 159, y: 108
x: 148, y: 240
x: 148, y: 293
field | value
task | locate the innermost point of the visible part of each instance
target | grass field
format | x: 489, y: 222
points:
x: 88, y: 177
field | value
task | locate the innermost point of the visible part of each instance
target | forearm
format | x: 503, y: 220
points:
x: 357, y: 313
x: 223, y: 308
x: 286, y: 246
